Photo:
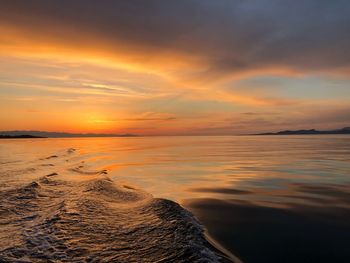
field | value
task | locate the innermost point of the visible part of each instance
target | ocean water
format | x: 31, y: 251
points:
x: 260, y: 198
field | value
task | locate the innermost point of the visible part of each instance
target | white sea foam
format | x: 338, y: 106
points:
x: 57, y: 216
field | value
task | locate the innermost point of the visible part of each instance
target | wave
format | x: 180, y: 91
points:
x: 53, y: 219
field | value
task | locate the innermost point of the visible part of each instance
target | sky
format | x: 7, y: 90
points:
x: 185, y: 67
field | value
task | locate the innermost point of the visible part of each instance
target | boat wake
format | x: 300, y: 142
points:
x: 93, y: 219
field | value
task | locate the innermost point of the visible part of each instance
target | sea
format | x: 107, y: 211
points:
x: 176, y: 199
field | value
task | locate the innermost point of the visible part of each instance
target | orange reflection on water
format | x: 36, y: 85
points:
x: 265, y: 170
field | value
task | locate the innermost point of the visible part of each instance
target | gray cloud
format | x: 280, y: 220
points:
x: 231, y: 35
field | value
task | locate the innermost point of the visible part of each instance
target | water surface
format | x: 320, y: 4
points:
x: 264, y: 198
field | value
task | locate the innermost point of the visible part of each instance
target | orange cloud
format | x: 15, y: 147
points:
x: 152, y: 71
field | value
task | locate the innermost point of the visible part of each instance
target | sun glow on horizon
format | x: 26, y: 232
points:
x: 165, y: 76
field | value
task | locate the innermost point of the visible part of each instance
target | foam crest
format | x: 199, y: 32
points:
x: 53, y: 219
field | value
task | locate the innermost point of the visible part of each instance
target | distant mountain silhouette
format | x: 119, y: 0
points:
x: 35, y: 134
x: 24, y: 136
x: 345, y: 130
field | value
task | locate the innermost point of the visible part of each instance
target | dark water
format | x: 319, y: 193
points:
x: 265, y: 199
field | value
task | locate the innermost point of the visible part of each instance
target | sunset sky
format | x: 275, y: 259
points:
x: 174, y: 67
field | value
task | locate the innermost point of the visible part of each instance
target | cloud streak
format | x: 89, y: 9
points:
x: 191, y: 64
x: 220, y: 38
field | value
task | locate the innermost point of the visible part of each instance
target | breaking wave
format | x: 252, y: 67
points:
x: 54, y: 219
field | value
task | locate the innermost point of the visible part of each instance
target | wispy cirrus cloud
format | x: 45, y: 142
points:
x: 190, y: 66
x: 221, y: 38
